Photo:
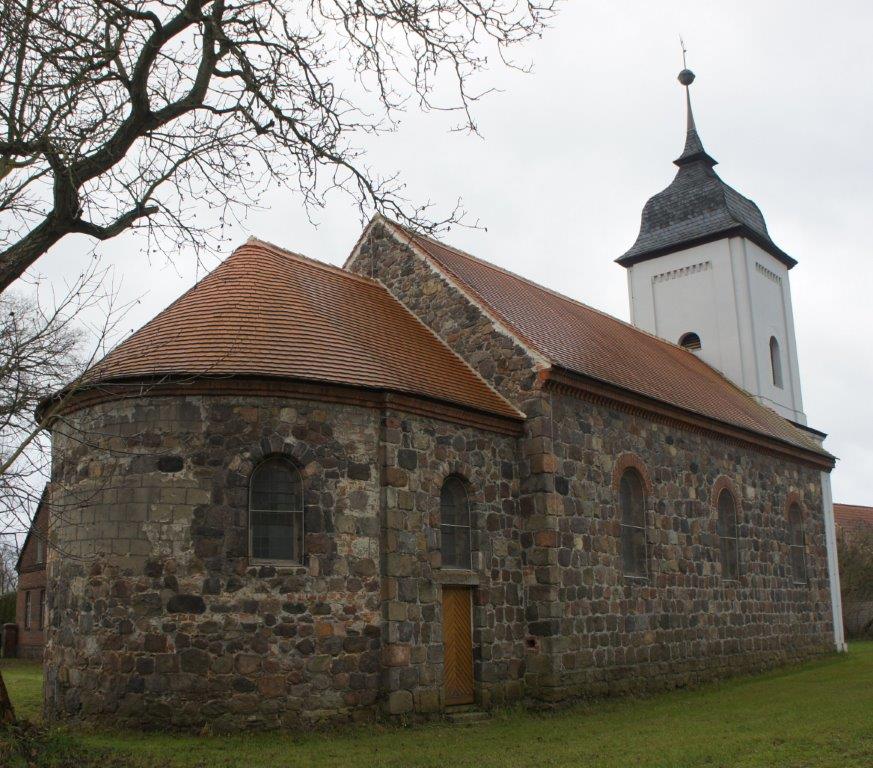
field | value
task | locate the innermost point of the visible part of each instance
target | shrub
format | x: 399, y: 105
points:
x: 7, y: 608
x: 856, y: 584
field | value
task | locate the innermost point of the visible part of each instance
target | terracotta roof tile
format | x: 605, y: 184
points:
x: 268, y: 312
x: 851, y: 518
x: 585, y: 341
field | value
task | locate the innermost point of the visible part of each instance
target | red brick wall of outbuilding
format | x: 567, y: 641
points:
x: 32, y: 580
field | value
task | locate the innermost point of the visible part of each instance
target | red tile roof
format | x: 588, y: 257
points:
x: 573, y: 336
x: 268, y: 312
x: 850, y: 518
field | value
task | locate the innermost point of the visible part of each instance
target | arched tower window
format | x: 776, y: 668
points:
x: 454, y: 524
x: 690, y: 341
x: 727, y: 535
x: 276, y: 512
x: 632, y: 500
x: 776, y: 362
x: 797, y: 540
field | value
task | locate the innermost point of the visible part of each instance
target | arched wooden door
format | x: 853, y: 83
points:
x: 458, y: 645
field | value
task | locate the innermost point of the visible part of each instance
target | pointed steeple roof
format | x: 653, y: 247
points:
x: 698, y: 207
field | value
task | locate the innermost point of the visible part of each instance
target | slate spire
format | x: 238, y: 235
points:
x: 698, y: 206
x: 694, y: 151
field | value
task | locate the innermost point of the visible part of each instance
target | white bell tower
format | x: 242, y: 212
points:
x: 705, y: 274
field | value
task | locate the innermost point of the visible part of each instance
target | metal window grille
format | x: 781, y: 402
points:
x: 276, y: 513
x: 455, y: 545
x: 798, y: 544
x: 728, y: 538
x: 633, y: 525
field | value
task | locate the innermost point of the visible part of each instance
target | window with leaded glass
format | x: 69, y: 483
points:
x: 727, y: 535
x: 798, y: 543
x: 454, y: 524
x: 276, y: 512
x: 632, y: 500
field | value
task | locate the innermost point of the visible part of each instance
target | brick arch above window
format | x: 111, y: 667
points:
x: 725, y: 483
x: 630, y: 460
x: 300, y: 454
x: 794, y: 497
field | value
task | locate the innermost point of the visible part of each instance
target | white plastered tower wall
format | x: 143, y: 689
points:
x: 736, y: 297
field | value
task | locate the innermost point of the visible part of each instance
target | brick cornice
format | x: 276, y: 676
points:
x: 242, y: 386
x: 601, y: 393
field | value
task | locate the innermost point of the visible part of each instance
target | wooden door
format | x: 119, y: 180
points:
x: 457, y: 645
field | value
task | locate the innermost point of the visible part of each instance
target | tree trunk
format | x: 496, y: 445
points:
x: 19, y: 256
x: 7, y: 714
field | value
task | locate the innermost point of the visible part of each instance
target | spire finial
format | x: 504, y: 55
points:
x: 693, y: 146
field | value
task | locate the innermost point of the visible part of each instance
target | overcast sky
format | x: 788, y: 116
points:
x: 571, y: 152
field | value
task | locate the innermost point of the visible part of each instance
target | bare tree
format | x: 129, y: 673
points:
x: 8, y: 559
x: 47, y: 345
x: 117, y: 115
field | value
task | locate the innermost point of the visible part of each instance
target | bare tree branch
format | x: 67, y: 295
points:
x: 115, y: 115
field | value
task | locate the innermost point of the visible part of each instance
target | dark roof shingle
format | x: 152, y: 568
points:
x: 697, y: 207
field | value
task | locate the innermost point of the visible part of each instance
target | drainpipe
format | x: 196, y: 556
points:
x: 833, y: 565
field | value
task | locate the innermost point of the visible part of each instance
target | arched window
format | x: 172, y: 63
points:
x: 798, y: 544
x: 690, y: 341
x: 633, y: 523
x: 276, y: 512
x: 727, y: 535
x: 775, y: 362
x: 454, y: 524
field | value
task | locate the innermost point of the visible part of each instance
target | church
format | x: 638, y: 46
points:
x: 421, y: 483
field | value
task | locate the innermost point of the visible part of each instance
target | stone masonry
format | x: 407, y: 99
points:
x: 157, y: 618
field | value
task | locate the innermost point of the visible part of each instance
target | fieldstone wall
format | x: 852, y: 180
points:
x: 418, y: 456
x: 156, y: 616
x: 601, y: 632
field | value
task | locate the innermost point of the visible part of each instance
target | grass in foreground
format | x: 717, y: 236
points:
x: 818, y: 715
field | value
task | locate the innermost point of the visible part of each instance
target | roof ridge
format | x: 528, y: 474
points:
x: 278, y: 250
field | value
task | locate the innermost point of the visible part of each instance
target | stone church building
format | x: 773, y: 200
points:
x: 304, y: 493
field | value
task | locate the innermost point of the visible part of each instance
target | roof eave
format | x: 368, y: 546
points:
x: 630, y: 258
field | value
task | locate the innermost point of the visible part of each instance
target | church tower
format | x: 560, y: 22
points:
x: 704, y: 273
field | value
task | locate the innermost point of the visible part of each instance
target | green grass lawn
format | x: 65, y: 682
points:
x: 819, y: 714
x: 24, y: 683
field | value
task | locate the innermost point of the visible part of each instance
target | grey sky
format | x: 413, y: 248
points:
x: 783, y: 100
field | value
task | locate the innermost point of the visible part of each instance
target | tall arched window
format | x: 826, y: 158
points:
x: 727, y: 535
x: 775, y: 362
x: 454, y: 524
x: 797, y: 542
x: 633, y: 523
x: 690, y: 341
x: 276, y: 512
